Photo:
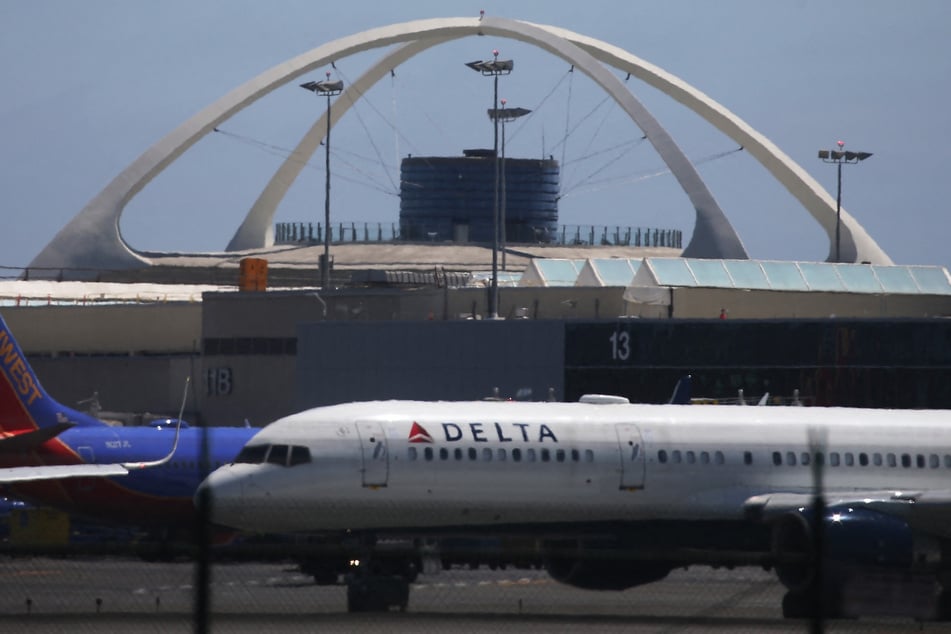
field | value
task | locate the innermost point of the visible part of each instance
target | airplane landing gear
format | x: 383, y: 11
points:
x: 376, y: 593
x: 379, y: 579
x: 799, y: 604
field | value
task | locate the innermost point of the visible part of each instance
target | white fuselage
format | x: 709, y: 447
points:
x: 431, y: 465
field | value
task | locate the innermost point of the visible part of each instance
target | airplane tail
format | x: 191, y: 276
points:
x: 24, y: 404
x: 681, y: 395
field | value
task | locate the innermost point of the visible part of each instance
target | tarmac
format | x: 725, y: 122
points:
x: 45, y: 595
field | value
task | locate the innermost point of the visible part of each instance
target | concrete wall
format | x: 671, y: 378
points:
x: 140, y: 384
x: 135, y: 356
x: 111, y: 329
x: 438, y: 360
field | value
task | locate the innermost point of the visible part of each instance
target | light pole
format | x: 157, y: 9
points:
x: 494, y: 68
x: 504, y: 115
x: 329, y: 88
x: 839, y: 157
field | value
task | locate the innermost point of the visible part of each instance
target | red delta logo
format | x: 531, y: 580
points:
x: 486, y: 432
x: 419, y: 434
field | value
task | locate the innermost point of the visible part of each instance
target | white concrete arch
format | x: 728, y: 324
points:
x: 856, y: 244
x: 257, y: 229
x: 713, y: 236
x: 93, y: 240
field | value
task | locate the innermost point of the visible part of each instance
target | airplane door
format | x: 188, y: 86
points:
x: 633, y: 459
x: 376, y: 460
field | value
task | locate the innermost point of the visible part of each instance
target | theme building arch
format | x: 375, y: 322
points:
x: 92, y: 239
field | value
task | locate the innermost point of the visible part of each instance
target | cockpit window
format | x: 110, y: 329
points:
x: 283, y: 455
x: 278, y: 454
x: 299, y: 455
x: 252, y: 454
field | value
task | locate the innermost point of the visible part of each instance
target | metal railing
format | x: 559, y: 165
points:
x: 566, y: 235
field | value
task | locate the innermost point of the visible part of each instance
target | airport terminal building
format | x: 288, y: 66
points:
x: 833, y: 334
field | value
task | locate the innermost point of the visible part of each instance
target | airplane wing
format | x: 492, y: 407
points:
x: 54, y: 472
x: 928, y: 510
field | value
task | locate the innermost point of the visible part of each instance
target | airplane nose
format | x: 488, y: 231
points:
x: 224, y: 495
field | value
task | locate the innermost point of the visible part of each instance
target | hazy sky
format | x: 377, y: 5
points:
x: 89, y: 86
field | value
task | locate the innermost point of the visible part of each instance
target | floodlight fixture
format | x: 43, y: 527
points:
x: 330, y: 89
x: 505, y: 115
x: 840, y: 157
x: 493, y: 68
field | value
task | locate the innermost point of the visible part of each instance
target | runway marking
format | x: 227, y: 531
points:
x: 307, y: 581
x: 36, y: 573
x: 524, y: 581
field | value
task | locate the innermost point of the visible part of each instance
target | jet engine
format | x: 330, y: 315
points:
x: 852, y: 539
x: 599, y: 565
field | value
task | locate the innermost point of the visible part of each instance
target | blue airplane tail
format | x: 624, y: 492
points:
x: 681, y: 395
x: 24, y: 404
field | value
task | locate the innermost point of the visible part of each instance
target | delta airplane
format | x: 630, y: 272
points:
x: 52, y: 455
x: 614, y: 495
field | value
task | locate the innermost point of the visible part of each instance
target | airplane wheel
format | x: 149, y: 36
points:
x: 802, y: 605
x: 943, y: 607
x: 325, y: 577
x: 797, y: 605
x: 377, y: 593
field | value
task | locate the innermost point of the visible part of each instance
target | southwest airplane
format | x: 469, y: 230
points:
x: 52, y: 455
x: 612, y: 495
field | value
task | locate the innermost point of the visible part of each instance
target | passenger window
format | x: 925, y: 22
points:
x: 777, y: 458
x: 920, y: 461
x: 560, y: 455
x: 791, y: 458
x: 675, y: 456
x: 863, y: 459
x: 718, y: 458
x: 443, y: 453
x: 546, y: 455
x: 588, y: 455
x: 704, y: 457
x: 748, y: 457
x: 849, y: 459
x: 662, y: 456
x: 457, y: 453
x: 905, y: 460
x: 820, y: 458
x: 473, y: 454
x: 278, y: 455
x: 691, y: 457
x: 428, y: 453
x: 892, y: 461
x: 517, y: 455
x: 487, y: 454
x: 252, y: 454
x: 834, y: 459
x: 501, y: 455
x: 877, y: 459
x: 530, y: 455
x: 934, y: 461
x: 575, y: 455
x: 804, y: 459
x: 412, y: 453
x: 947, y: 461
